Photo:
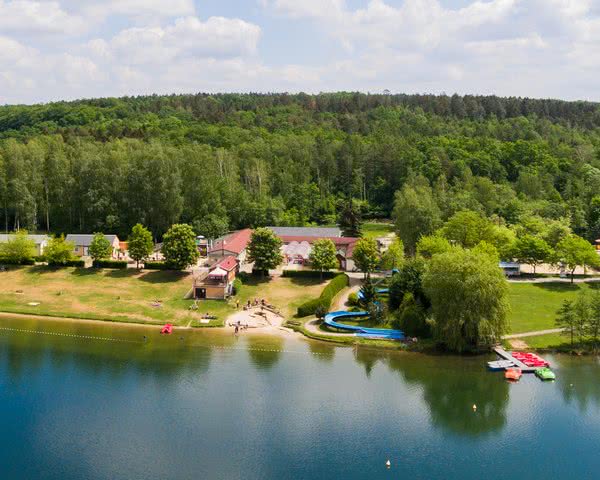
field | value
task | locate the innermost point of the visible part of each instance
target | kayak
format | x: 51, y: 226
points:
x: 500, y: 365
x: 545, y: 374
x: 513, y: 374
x: 167, y: 329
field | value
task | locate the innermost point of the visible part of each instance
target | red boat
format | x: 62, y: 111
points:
x: 530, y: 359
x: 167, y: 329
x: 513, y: 374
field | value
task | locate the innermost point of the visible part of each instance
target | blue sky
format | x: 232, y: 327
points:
x: 66, y: 49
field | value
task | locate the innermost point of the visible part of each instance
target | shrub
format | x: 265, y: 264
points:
x: 68, y: 263
x: 411, y: 318
x: 307, y: 274
x: 15, y: 261
x: 237, y: 285
x: 353, y: 299
x: 156, y: 266
x: 338, y: 283
x: 118, y: 264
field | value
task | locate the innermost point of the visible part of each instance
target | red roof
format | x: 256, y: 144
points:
x: 347, y: 242
x: 235, y: 242
x: 228, y: 263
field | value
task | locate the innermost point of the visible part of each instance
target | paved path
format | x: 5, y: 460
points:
x: 532, y: 334
x: 554, y: 280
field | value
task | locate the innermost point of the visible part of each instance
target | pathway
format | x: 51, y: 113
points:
x: 532, y: 334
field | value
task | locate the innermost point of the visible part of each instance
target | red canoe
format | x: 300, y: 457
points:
x: 167, y: 329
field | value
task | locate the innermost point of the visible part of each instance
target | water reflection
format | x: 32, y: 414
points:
x: 582, y: 386
x: 451, y: 386
x: 264, y: 352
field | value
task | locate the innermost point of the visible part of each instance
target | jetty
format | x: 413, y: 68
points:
x: 518, y: 363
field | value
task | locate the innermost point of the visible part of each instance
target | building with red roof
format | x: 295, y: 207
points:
x: 233, y: 244
x: 217, y: 284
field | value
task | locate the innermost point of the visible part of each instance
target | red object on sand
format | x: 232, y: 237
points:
x: 167, y: 329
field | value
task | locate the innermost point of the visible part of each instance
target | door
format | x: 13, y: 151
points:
x: 200, y: 293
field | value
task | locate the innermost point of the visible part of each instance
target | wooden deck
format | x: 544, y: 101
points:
x: 518, y: 363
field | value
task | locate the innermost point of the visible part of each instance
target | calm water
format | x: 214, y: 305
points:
x: 210, y: 406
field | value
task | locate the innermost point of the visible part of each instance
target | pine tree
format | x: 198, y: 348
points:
x: 368, y: 292
x: 567, y: 320
x: 350, y: 221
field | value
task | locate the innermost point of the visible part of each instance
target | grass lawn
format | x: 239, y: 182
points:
x: 547, y: 341
x: 127, y: 295
x: 376, y: 230
x: 534, y: 305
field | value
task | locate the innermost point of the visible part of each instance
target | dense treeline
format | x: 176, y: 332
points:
x: 229, y: 161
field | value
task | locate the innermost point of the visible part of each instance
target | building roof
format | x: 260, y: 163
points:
x: 341, y: 243
x: 85, y: 239
x: 235, y: 242
x: 301, y: 249
x: 319, y: 232
x: 217, y: 272
x: 38, y: 239
x: 228, y: 264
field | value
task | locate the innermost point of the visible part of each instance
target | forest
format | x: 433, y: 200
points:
x: 227, y: 161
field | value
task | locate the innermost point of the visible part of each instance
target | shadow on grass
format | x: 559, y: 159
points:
x: 308, y: 282
x: 84, y: 272
x: 256, y: 280
x: 122, y: 273
x: 163, y: 276
x: 558, y: 286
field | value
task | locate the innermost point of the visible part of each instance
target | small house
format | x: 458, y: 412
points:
x: 233, y: 245
x: 82, y: 243
x: 217, y: 284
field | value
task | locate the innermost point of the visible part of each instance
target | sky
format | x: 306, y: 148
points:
x: 67, y: 49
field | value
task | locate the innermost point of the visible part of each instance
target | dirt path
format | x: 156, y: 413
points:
x: 532, y: 334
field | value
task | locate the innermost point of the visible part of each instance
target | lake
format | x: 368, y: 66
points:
x: 103, y: 402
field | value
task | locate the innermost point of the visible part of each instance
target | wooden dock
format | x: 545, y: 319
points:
x: 518, y: 363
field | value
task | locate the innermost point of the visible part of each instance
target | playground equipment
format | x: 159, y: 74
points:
x: 380, y: 291
x: 363, y: 332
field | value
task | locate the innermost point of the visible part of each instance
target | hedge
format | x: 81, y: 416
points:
x: 10, y: 261
x: 118, y: 264
x: 339, y: 282
x: 69, y: 263
x: 156, y: 266
x: 308, y: 274
x: 237, y: 286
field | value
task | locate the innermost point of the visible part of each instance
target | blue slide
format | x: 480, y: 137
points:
x: 378, y: 333
x: 379, y: 292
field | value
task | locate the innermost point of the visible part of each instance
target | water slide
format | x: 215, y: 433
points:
x: 380, y: 291
x: 377, y: 333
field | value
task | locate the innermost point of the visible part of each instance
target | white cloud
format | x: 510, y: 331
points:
x: 38, y: 17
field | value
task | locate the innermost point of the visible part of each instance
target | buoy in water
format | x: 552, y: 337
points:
x: 388, y: 464
x: 474, y: 407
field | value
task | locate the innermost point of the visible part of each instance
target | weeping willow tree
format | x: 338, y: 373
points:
x: 468, y: 294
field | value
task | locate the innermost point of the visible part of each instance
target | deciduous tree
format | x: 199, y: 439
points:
x: 264, y: 250
x: 100, y: 247
x: 179, y: 246
x: 140, y: 244
x: 323, y: 255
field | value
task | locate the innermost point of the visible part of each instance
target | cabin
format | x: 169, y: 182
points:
x: 217, y: 284
x: 83, y: 241
x: 40, y: 241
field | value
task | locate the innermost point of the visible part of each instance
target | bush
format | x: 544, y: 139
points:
x: 237, y: 285
x: 118, y: 264
x: 68, y: 263
x: 308, y: 274
x: 40, y: 259
x: 353, y: 299
x: 411, y: 318
x: 156, y: 266
x: 12, y: 261
x: 339, y: 282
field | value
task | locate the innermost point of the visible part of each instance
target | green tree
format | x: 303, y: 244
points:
x: 350, y: 221
x: 59, y: 251
x: 393, y: 257
x: 179, y: 247
x: 467, y: 229
x: 567, y: 320
x: 594, y: 318
x: 18, y: 249
x: 100, y: 247
x: 140, y: 244
x: 574, y: 251
x: 487, y: 249
x: 582, y: 311
x: 323, y: 255
x: 409, y: 279
x: 430, y: 245
x: 366, y: 255
x: 212, y: 226
x: 264, y: 250
x: 468, y: 295
x: 368, y: 293
x: 532, y: 251
x: 415, y: 214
